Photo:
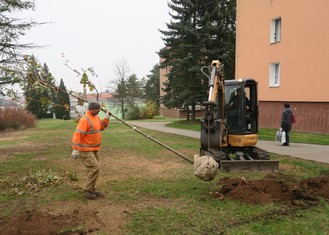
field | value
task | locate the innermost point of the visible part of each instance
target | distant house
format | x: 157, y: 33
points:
x: 7, y: 103
x: 76, y: 109
x: 102, y: 97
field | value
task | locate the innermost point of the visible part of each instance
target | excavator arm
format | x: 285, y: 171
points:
x: 217, y: 87
x: 214, y: 123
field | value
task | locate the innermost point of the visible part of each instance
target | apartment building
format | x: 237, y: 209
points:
x: 284, y: 45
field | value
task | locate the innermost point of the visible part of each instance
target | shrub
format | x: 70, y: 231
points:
x: 16, y: 118
x: 145, y: 112
x: 150, y: 110
x: 134, y: 112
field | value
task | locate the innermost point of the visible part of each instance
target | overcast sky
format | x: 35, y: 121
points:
x: 98, y: 34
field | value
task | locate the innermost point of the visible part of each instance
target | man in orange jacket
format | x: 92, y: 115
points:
x: 86, y: 142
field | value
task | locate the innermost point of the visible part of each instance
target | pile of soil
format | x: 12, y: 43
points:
x: 273, y: 190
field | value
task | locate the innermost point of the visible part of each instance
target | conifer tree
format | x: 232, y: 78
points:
x: 200, y: 31
x: 39, y: 90
x: 37, y: 97
x: 152, y: 86
x: 62, y: 103
x: 12, y: 28
x: 134, y: 88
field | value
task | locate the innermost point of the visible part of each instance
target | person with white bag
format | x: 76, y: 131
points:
x: 286, y: 123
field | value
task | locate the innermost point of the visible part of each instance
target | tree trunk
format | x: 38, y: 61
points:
x: 123, y: 108
x: 193, y: 112
x: 187, y: 113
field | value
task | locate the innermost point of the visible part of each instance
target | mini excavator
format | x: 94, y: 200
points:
x: 229, y: 129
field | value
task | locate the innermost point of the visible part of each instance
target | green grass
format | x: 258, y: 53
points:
x: 156, y: 190
x: 264, y: 134
x: 296, y: 137
x: 187, y: 125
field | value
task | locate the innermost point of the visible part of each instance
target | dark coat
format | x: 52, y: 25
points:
x: 286, y: 119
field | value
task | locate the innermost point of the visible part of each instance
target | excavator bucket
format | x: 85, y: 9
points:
x: 243, y: 159
x: 250, y: 165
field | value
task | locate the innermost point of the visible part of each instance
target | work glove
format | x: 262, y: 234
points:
x: 108, y: 114
x: 75, y: 154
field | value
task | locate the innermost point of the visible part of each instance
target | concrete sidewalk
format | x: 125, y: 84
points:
x: 319, y: 153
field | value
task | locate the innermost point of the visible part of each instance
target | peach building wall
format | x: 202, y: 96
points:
x: 303, y: 52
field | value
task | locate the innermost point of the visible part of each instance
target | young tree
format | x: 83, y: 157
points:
x: 200, y: 31
x: 152, y: 86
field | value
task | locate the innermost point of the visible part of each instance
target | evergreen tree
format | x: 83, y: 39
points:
x: 62, y: 103
x: 12, y: 29
x: 219, y: 34
x: 134, y: 88
x: 37, y: 97
x: 152, y: 86
x: 200, y: 31
x: 42, y: 96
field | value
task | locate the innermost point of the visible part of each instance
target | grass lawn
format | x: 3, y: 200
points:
x: 264, y: 134
x: 148, y: 190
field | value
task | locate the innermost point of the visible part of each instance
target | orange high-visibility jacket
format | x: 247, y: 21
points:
x: 87, y: 135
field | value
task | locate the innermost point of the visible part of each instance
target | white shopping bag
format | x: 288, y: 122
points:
x: 283, y: 138
x: 278, y: 136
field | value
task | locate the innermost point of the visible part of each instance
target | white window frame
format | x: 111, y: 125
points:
x: 276, y: 30
x: 274, y: 74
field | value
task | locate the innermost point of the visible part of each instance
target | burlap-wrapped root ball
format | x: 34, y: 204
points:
x: 205, y: 167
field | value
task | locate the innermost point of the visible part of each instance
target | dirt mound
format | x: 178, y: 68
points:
x: 273, y: 190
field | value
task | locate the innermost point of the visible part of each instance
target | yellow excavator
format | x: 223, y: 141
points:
x: 229, y: 130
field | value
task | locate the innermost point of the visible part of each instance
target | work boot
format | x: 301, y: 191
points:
x: 91, y: 195
x: 98, y: 194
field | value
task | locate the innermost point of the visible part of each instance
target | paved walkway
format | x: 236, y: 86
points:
x: 319, y: 153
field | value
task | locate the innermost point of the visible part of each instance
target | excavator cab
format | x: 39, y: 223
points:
x: 241, y: 106
x: 229, y: 130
